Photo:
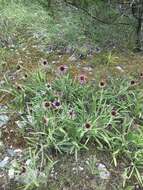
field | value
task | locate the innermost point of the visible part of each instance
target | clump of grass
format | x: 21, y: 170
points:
x: 106, y: 117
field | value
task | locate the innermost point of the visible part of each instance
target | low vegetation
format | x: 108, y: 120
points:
x: 67, y: 114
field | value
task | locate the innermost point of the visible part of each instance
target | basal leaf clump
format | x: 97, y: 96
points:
x: 68, y: 115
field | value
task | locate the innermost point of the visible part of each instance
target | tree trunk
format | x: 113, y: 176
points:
x: 139, y: 42
x: 49, y: 3
x: 137, y: 11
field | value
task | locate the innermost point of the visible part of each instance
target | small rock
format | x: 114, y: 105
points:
x: 4, y: 162
x: 18, y: 150
x: 14, y: 163
x: 2, y: 82
x: 137, y: 187
x: 89, y: 69
x: 11, y: 173
x: 72, y: 58
x: 30, y: 119
x: 3, y: 108
x: 28, y: 162
x: 120, y: 68
x: 103, y: 172
x: 11, y: 152
x: 69, y: 50
x: 20, y: 124
x: 74, y: 169
x: 54, y: 62
x: 81, y: 168
x: 3, y: 120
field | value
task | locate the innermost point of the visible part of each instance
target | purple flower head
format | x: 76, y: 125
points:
x: 44, y: 63
x: 72, y: 114
x: 56, y: 104
x: 48, y: 86
x: 133, y: 82
x: 82, y: 79
x: 18, y: 67
x: 87, y: 126
x: 141, y: 75
x: 62, y: 69
x: 25, y: 76
x: 114, y: 112
x: 102, y: 84
x: 18, y: 87
x: 46, y: 105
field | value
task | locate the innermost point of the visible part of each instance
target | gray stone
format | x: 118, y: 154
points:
x: 11, y: 173
x: 3, y: 120
x: 11, y: 152
x: 72, y: 58
x: 2, y: 82
x: 103, y: 172
x: 4, y: 162
x: 87, y: 68
x: 119, y: 68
